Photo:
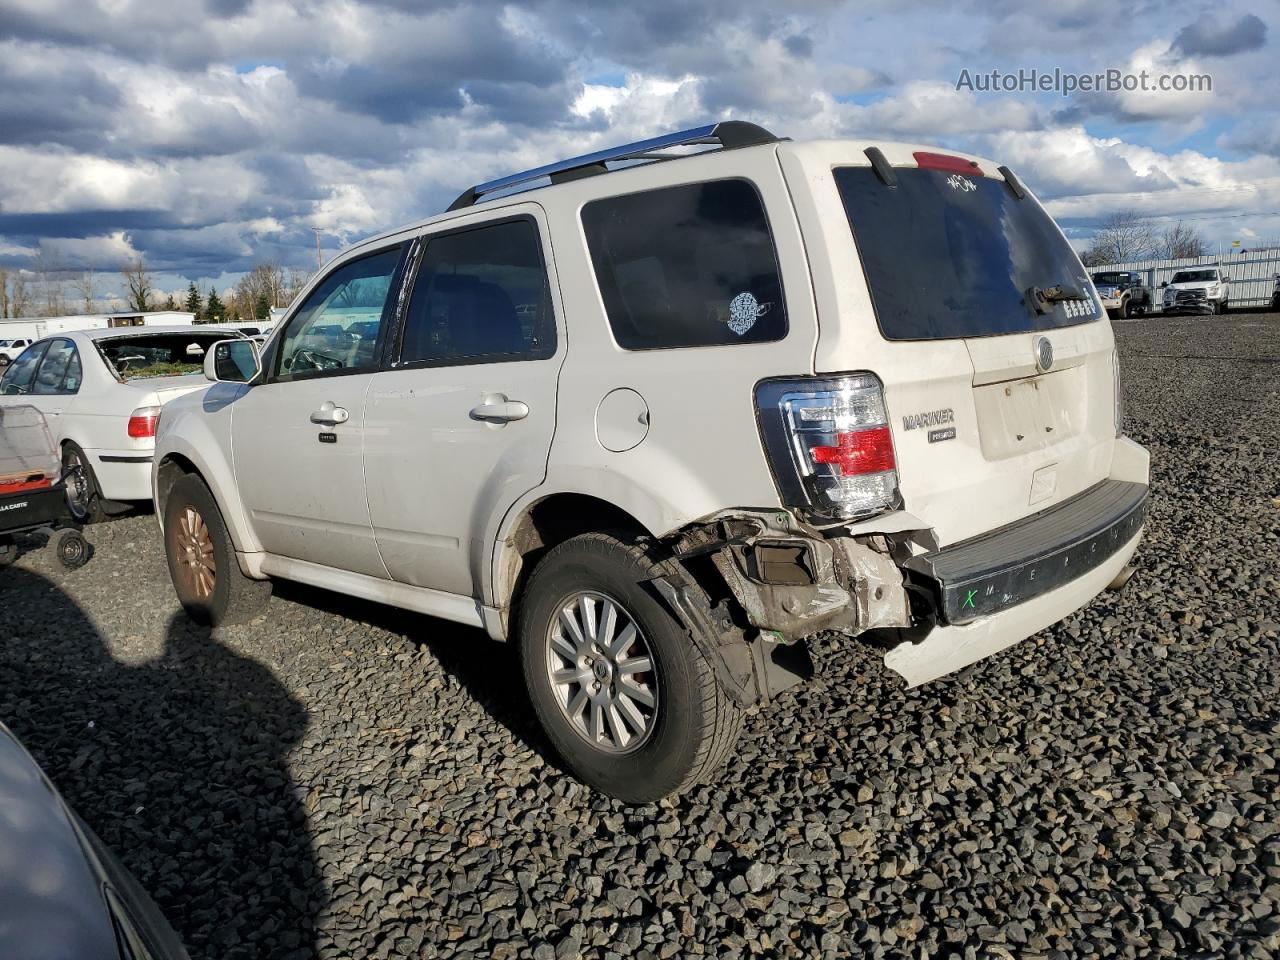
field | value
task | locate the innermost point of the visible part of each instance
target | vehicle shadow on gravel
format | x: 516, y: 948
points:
x: 488, y: 671
x: 178, y: 760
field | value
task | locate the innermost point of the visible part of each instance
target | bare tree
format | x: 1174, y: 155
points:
x: 138, y: 283
x: 1123, y: 236
x: 19, y: 295
x: 297, y: 279
x: 83, y: 282
x: 49, y: 274
x: 4, y: 293
x: 1179, y: 242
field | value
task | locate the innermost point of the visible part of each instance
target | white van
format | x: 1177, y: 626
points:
x: 659, y: 424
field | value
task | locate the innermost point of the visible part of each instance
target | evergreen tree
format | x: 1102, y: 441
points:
x: 262, y: 309
x: 195, y: 305
x: 213, y: 308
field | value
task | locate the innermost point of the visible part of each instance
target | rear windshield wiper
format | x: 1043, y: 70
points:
x: 1043, y: 298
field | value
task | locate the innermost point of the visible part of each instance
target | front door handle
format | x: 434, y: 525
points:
x: 498, y: 409
x: 330, y: 415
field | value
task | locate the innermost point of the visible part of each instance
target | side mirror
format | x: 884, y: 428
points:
x: 232, y: 361
x: 1164, y: 283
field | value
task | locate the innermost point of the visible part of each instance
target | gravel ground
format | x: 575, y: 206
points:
x: 343, y: 780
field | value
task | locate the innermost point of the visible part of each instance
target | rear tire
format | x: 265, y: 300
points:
x: 202, y: 559
x: 680, y: 726
x: 84, y: 496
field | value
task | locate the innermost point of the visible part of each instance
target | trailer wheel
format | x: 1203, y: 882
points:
x: 73, y: 549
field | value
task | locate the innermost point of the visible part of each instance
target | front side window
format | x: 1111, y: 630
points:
x: 686, y: 266
x: 21, y: 372
x: 60, y: 372
x: 339, y: 325
x: 481, y: 295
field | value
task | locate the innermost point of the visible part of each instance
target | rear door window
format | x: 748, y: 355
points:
x: 481, y: 296
x: 686, y: 266
x: 952, y: 256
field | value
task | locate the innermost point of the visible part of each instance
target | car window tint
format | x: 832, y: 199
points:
x: 18, y: 377
x: 53, y: 371
x: 337, y: 327
x: 481, y: 294
x: 687, y: 266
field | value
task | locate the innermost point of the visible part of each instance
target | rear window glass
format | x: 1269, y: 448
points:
x: 158, y: 354
x: 947, y: 256
x: 686, y: 266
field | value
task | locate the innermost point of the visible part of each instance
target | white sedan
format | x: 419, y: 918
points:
x: 101, y: 392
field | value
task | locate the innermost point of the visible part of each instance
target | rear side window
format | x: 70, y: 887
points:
x: 948, y: 256
x: 481, y: 296
x: 687, y: 266
x: 60, y: 372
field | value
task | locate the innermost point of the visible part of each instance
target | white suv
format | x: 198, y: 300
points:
x: 660, y: 424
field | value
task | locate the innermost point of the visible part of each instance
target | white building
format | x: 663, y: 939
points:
x: 36, y: 327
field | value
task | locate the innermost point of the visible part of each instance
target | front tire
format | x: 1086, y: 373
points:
x: 202, y: 559
x: 622, y: 690
x: 1123, y: 312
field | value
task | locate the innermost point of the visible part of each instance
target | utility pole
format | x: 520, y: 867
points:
x: 317, y: 233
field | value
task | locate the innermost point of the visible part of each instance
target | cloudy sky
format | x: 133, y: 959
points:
x: 208, y: 135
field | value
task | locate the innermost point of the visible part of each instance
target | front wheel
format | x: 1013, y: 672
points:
x: 623, y: 691
x: 1123, y: 312
x: 202, y: 559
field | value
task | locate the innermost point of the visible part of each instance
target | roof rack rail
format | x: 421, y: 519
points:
x: 729, y: 134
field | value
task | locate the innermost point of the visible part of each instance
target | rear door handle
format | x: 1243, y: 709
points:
x: 498, y: 409
x: 330, y: 415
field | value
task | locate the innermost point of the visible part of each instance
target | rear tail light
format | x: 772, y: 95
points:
x: 142, y: 422
x: 829, y: 445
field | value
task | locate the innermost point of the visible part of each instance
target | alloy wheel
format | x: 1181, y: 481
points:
x: 603, y: 672
x: 193, y: 550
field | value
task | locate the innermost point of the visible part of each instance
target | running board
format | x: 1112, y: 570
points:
x: 435, y: 603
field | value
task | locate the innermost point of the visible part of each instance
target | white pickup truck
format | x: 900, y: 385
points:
x: 1197, y: 290
x: 10, y: 349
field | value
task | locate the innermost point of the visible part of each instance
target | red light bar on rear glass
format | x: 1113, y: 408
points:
x: 945, y: 161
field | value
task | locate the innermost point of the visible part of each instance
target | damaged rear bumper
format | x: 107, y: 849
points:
x: 946, y: 608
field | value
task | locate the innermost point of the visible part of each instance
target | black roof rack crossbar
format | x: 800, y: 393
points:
x: 729, y: 134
